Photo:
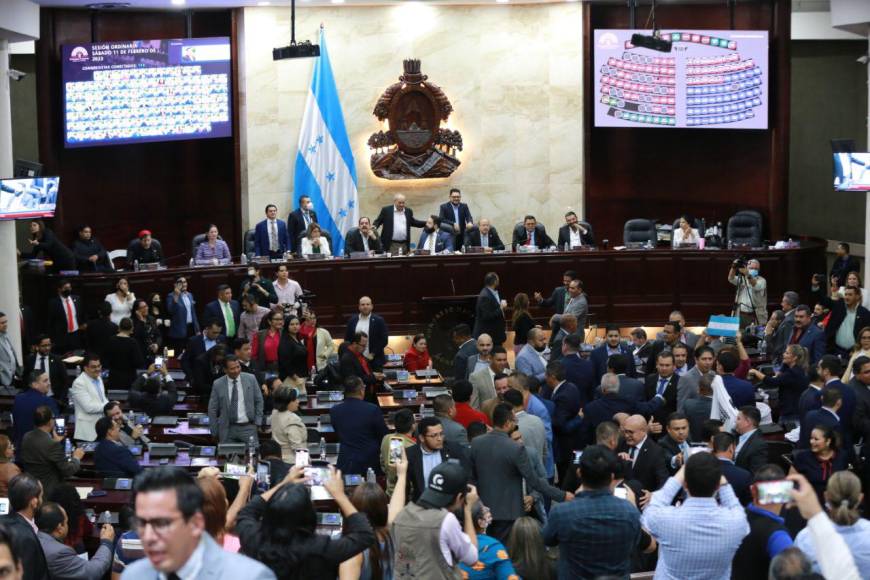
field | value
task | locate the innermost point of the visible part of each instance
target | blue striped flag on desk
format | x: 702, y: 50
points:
x: 325, y: 169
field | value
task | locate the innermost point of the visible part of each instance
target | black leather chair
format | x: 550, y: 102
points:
x: 248, y: 243
x: 351, y: 232
x: 639, y: 231
x: 745, y: 229
x: 197, y: 240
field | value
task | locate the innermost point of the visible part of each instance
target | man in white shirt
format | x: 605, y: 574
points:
x: 751, y: 292
x: 270, y: 235
x: 397, y: 221
x: 288, y: 290
x: 89, y: 397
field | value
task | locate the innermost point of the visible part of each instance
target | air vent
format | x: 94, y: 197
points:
x: 108, y: 5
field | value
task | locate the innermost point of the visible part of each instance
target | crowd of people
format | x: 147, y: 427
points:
x: 679, y: 453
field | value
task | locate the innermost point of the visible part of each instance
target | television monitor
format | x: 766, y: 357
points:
x: 28, y: 198
x: 146, y: 90
x: 851, y: 171
x: 711, y: 79
x: 25, y: 168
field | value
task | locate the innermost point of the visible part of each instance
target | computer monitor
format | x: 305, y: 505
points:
x: 28, y: 198
x: 24, y: 168
x: 851, y: 171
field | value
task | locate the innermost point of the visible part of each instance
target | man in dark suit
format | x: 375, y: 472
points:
x: 145, y: 250
x: 670, y: 338
x: 200, y: 344
x: 183, y: 322
x: 207, y: 368
x: 779, y: 338
x: 531, y: 233
x: 376, y: 329
x: 432, y: 444
x: 612, y: 346
x: 271, y: 235
x: 299, y: 220
x: 630, y: 388
x: 500, y: 466
x: 395, y: 238
x: 360, y: 428
x: 609, y: 404
x: 489, y: 311
x: 830, y: 370
x: 353, y: 363
x: 559, y: 297
x: 807, y: 334
x: 111, y: 458
x: 433, y: 239
x: 485, y: 236
x: 844, y: 263
x: 465, y: 348
x: 647, y: 462
x: 751, y: 450
x: 837, y: 342
x: 573, y: 233
x: 225, y: 310
x: 362, y: 239
x: 566, y: 402
x: 27, y: 402
x: 860, y: 384
x: 676, y: 441
x: 664, y: 383
x: 742, y: 392
x: 697, y: 410
x: 25, y: 498
x: 739, y: 478
x: 42, y: 452
x: 65, y: 317
x: 828, y: 416
x: 578, y: 370
x: 50, y: 364
x: 457, y: 215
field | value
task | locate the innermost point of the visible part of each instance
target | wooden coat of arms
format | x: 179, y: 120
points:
x: 415, y: 146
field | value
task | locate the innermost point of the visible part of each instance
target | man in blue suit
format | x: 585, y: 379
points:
x: 433, y: 239
x: 181, y: 307
x: 829, y: 416
x: 111, y: 458
x: 27, y: 402
x: 629, y: 388
x: 578, y: 371
x: 530, y: 360
x: 566, y: 402
x: 739, y: 478
x: 200, y: 344
x: 270, y: 235
x: 299, y: 220
x: 807, y: 334
x: 830, y: 370
x: 225, y: 311
x: 612, y: 345
x: 457, y: 215
x: 375, y: 327
x: 360, y: 428
x: 609, y: 404
x: 742, y: 392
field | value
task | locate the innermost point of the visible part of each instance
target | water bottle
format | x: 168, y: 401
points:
x: 323, y: 449
x: 191, y: 263
x: 370, y: 476
x: 67, y: 448
x: 401, y: 250
x: 318, y: 423
x: 135, y: 265
x: 422, y: 407
x: 567, y: 246
x: 251, y: 451
x: 243, y: 259
x: 762, y: 347
x: 130, y: 417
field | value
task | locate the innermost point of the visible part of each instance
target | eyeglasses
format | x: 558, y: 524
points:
x: 160, y: 526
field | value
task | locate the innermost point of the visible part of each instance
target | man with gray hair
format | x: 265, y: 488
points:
x: 778, y: 335
x: 751, y: 300
x: 397, y: 221
x: 789, y: 564
x: 609, y: 404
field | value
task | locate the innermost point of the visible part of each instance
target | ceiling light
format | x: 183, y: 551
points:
x: 338, y: 1
x: 263, y: 3
x: 178, y: 2
x: 502, y: 1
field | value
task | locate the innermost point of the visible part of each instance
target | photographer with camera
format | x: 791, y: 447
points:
x: 750, y: 302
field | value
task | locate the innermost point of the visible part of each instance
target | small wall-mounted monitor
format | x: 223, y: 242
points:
x: 28, y: 198
x: 851, y: 171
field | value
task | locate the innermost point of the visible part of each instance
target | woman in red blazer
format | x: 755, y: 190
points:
x: 417, y: 357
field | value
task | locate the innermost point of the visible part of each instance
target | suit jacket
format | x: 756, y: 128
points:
x: 83, y: 250
x: 296, y: 227
x: 520, y: 236
x: 603, y: 409
x: 353, y: 242
x: 378, y: 336
x: 27, y: 547
x: 195, y: 347
x: 557, y: 300
x: 779, y: 339
x: 360, y: 427
x: 812, y: 339
x: 472, y: 239
x: 214, y: 311
x: 599, y: 358
x: 671, y: 449
x: 489, y: 317
x: 741, y: 392
x: 56, y: 317
x: 64, y: 563
x: 657, y: 348
x: 586, y: 239
x: 670, y: 405
x: 460, y: 360
x: 861, y: 419
x: 810, y: 399
x: 483, y: 388
x: 178, y: 316
x: 217, y: 564
x: 219, y: 404
x: 443, y: 241
x: 385, y: 219
x: 114, y: 460
x: 739, y: 478
x: 499, y: 468
x: 578, y: 307
x: 445, y: 212
x: 650, y: 467
x: 261, y: 237
x: 9, y: 366
x: 697, y: 411
x: 530, y: 363
x: 838, y: 314
x: 349, y: 366
x: 454, y: 432
x: 416, y: 483
x: 56, y: 373
x: 23, y: 407
x: 581, y: 373
x: 753, y: 454
x: 567, y: 402
x: 687, y: 387
x: 44, y: 459
x: 88, y: 403
x: 631, y: 389
x: 818, y: 417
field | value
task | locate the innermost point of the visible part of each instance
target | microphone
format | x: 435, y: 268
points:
x: 453, y: 286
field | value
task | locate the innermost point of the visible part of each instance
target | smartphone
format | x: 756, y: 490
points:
x: 158, y: 362
x: 577, y: 456
x: 328, y: 519
x: 353, y: 479
x: 620, y: 493
x: 316, y: 475
x: 395, y: 450
x: 60, y: 425
x: 263, y: 475
x: 235, y: 469
x: 302, y: 458
x: 774, y: 491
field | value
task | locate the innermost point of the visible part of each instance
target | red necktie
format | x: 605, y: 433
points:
x: 70, y: 317
x: 796, y: 336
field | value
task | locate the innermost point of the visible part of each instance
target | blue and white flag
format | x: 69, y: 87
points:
x: 325, y: 170
x: 723, y: 326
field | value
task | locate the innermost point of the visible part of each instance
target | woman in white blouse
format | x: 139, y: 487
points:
x: 314, y: 243
x: 288, y: 430
x: 685, y: 233
x: 121, y: 300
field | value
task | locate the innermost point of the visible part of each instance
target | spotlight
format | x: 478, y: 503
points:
x: 653, y: 42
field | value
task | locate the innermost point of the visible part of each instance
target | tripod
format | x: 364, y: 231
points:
x: 746, y: 319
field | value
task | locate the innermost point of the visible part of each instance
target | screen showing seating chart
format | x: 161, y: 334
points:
x: 28, y: 198
x: 146, y: 90
x: 711, y: 79
x: 852, y: 171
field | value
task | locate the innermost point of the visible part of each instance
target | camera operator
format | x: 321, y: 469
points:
x: 750, y: 303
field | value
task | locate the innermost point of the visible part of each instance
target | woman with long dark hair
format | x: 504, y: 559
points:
x: 278, y: 529
x: 44, y: 242
x: 822, y: 459
x: 292, y: 354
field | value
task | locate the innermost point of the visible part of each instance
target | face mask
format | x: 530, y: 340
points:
x: 65, y: 293
x: 753, y: 273
x: 252, y: 273
x: 309, y: 206
x: 540, y: 348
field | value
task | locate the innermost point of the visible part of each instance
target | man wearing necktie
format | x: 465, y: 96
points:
x: 299, y: 220
x: 225, y: 311
x: 663, y: 382
x: 675, y: 443
x: 43, y: 360
x: 531, y: 233
x: 9, y: 367
x: 270, y: 235
x: 65, y: 319
x: 235, y: 407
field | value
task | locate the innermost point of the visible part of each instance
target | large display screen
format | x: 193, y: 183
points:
x: 146, y: 90
x: 28, y: 198
x: 711, y: 79
x: 852, y: 171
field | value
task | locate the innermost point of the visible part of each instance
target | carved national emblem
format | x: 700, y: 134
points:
x: 415, y: 146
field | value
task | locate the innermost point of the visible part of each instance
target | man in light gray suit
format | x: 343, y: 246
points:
x: 9, y: 366
x: 480, y: 358
x: 445, y: 410
x: 499, y: 466
x: 171, y: 525
x: 62, y: 560
x: 235, y: 408
x: 778, y: 337
x: 576, y: 304
x: 687, y: 388
x: 483, y: 383
x: 532, y: 428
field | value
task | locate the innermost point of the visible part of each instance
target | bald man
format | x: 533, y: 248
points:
x: 646, y: 458
x: 375, y: 327
x: 481, y: 359
x: 483, y: 236
x: 397, y: 221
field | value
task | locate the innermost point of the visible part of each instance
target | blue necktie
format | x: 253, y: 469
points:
x: 661, y: 389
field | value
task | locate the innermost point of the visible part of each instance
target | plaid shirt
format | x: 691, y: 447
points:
x: 698, y: 539
x: 596, y: 533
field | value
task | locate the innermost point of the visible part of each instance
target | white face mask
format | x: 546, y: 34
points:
x: 309, y: 206
x: 252, y: 273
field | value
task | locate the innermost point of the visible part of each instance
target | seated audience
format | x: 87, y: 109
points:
x: 90, y: 254
x: 433, y: 239
x: 823, y: 458
x: 314, y: 242
x: 129, y: 433
x: 123, y: 356
x: 42, y: 452
x: 360, y: 427
x: 363, y: 239
x: 154, y: 392
x: 27, y: 402
x: 417, y: 357
x: 213, y: 251
x: 25, y: 497
x: 484, y: 236
x: 8, y: 469
x: 574, y: 234
x: 288, y: 430
x: 63, y: 562
x: 111, y: 458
